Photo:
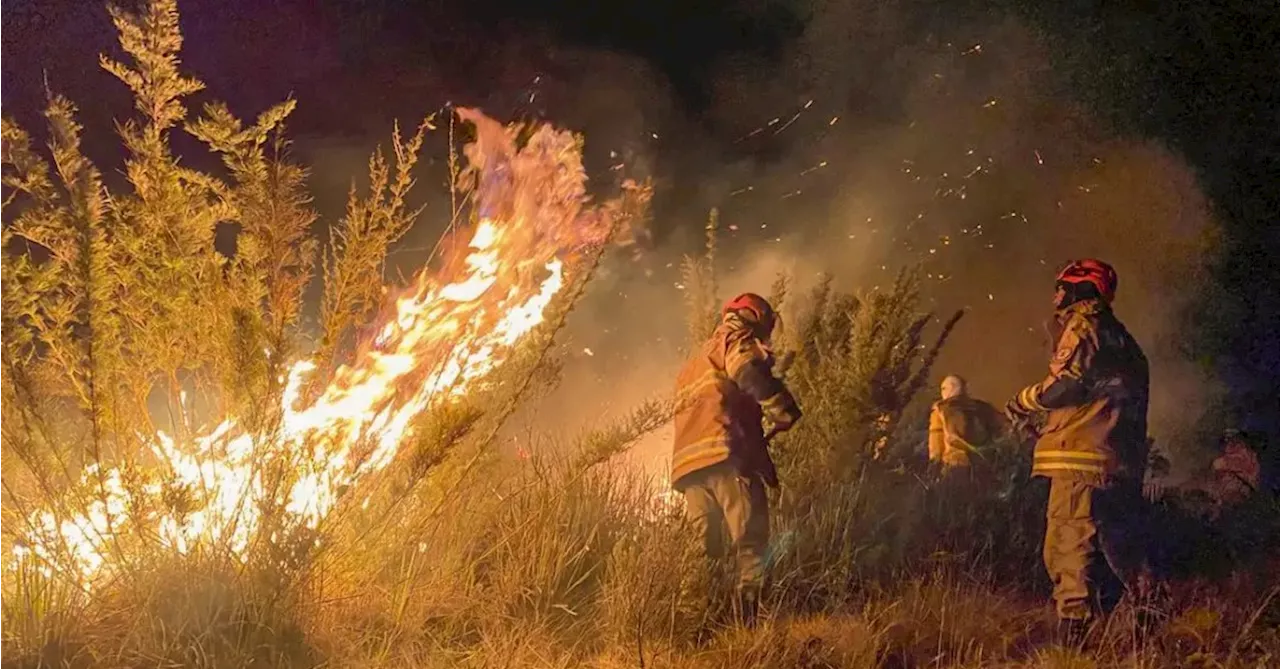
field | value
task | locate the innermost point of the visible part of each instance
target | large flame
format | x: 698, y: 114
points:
x: 446, y: 334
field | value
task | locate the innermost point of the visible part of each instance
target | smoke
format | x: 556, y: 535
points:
x: 882, y: 136
x: 874, y: 144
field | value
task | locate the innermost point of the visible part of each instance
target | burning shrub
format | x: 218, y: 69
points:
x: 119, y: 303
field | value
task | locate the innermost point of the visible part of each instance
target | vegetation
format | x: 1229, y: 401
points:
x: 121, y: 316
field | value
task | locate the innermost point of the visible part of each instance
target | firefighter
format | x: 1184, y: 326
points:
x: 960, y: 427
x: 1236, y: 471
x: 720, y: 460
x: 1092, y: 446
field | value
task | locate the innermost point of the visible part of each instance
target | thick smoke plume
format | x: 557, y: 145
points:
x: 882, y: 136
x: 869, y: 150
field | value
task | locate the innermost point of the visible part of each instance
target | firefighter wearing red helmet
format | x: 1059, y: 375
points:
x: 720, y: 460
x: 1091, y: 445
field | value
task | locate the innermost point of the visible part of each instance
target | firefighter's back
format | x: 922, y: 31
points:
x: 970, y: 419
x: 701, y: 420
x: 1112, y: 421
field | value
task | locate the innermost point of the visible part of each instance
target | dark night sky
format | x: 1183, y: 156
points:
x: 1202, y: 79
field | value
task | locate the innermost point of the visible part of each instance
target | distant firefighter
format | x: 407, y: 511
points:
x: 1237, y: 472
x: 961, y: 428
x: 1092, y: 445
x: 720, y: 461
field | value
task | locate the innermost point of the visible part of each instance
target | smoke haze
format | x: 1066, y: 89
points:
x: 856, y: 157
x: 878, y: 139
x: 872, y: 136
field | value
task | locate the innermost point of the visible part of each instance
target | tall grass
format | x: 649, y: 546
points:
x: 453, y: 556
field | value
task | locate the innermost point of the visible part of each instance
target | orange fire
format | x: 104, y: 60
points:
x: 447, y: 333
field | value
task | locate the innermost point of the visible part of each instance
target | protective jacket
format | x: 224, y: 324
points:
x: 1238, y: 473
x: 723, y: 393
x: 961, y: 427
x: 1095, y: 399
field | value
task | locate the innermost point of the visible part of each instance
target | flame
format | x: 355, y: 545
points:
x: 446, y: 334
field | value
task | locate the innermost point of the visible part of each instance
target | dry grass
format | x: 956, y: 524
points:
x: 550, y: 565
x: 567, y: 562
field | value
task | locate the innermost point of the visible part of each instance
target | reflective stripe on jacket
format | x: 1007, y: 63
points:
x: 1096, y: 429
x: 717, y: 419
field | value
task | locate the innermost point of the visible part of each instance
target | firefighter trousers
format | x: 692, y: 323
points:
x: 718, y: 498
x: 1094, y: 548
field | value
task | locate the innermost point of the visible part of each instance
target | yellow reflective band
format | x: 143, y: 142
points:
x: 707, y: 443
x: 1027, y: 397
x: 704, y: 440
x: 705, y: 380
x: 700, y: 454
x: 743, y: 351
x: 700, y: 459
x: 1071, y: 455
x: 735, y: 359
x: 1067, y: 466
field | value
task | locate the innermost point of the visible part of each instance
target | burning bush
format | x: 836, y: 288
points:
x: 119, y: 303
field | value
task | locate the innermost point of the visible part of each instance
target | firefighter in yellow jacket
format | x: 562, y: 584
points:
x: 720, y: 460
x: 960, y: 427
x: 1092, y: 446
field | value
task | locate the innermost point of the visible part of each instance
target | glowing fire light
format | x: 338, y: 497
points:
x: 442, y: 339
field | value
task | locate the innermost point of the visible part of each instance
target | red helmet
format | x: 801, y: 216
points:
x: 1090, y: 270
x: 762, y: 314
